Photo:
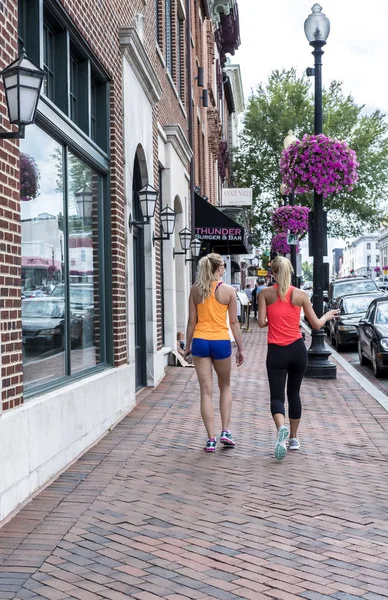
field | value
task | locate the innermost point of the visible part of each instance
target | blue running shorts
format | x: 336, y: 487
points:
x: 216, y: 349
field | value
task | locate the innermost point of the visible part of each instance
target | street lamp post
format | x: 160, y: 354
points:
x: 317, y: 29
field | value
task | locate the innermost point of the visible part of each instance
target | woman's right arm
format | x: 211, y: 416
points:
x: 191, y: 323
x: 235, y: 327
x: 312, y: 317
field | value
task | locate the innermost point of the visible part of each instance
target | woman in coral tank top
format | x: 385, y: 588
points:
x: 208, y: 340
x: 279, y: 309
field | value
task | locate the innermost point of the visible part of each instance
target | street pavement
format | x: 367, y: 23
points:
x: 351, y: 355
x: 147, y: 514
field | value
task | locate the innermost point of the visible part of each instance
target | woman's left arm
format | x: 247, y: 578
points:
x: 191, y: 323
x: 262, y: 316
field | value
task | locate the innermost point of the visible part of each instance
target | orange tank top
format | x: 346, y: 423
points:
x: 211, y: 318
x: 283, y: 320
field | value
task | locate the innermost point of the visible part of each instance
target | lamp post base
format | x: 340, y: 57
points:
x: 318, y: 365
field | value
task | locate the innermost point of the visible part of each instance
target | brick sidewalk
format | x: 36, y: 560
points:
x: 146, y: 514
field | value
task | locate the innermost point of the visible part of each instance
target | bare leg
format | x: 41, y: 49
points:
x: 279, y: 420
x: 294, y: 424
x: 203, y: 367
x: 223, y: 369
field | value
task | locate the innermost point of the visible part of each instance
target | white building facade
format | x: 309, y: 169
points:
x: 361, y: 256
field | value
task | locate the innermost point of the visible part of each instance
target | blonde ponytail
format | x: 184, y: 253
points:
x: 282, y: 270
x: 207, y: 267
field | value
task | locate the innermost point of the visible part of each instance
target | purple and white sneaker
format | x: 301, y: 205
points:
x: 211, y: 445
x: 227, y: 439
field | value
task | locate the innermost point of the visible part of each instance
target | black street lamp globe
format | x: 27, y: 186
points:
x: 317, y: 26
x: 317, y: 29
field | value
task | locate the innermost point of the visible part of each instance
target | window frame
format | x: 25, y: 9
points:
x: 56, y: 122
x: 105, y: 261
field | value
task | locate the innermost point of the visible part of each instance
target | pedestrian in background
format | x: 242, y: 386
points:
x: 279, y: 309
x: 208, y: 340
x: 255, y: 296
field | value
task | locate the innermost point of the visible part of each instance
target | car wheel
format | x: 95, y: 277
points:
x: 377, y: 372
x: 362, y: 359
x: 339, y: 346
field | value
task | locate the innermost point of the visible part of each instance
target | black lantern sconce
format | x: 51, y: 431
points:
x: 84, y: 201
x: 185, y: 240
x: 167, y: 221
x: 148, y: 197
x: 195, y: 246
x: 200, y: 77
x: 22, y: 81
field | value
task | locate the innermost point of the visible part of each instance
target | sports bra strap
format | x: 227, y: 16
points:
x: 218, y: 285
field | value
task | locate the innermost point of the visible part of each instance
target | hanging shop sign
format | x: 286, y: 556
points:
x: 237, y: 197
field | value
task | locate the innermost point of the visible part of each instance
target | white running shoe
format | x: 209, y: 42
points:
x: 280, y: 446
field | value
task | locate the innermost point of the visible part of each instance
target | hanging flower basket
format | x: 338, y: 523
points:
x: 294, y: 219
x: 377, y: 269
x: 29, y: 177
x: 280, y: 245
x: 319, y: 163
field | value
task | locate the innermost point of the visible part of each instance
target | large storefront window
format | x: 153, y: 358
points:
x: 62, y: 261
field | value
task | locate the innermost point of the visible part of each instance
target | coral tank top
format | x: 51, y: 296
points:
x: 283, y: 320
x: 211, y: 324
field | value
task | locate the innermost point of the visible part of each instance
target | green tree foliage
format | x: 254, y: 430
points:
x: 286, y: 102
x: 307, y: 270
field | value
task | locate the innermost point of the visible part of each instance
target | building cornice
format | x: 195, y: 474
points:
x: 218, y: 8
x: 177, y: 139
x: 234, y: 74
x: 133, y: 50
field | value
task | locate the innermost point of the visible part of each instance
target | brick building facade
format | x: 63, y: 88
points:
x: 90, y: 302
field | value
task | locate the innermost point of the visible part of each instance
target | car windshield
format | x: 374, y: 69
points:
x: 78, y: 294
x: 353, y: 287
x: 382, y: 313
x: 42, y: 309
x: 357, y: 304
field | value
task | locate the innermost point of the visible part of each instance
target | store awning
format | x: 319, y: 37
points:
x: 223, y: 235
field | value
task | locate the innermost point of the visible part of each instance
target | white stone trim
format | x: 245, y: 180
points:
x: 133, y: 50
x: 177, y: 139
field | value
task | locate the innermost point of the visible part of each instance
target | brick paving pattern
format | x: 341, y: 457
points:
x: 146, y: 514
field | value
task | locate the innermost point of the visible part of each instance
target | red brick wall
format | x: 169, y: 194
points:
x: 10, y: 233
x: 99, y: 24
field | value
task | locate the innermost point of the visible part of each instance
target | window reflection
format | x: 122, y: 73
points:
x: 42, y: 258
x: 60, y: 261
x: 84, y: 262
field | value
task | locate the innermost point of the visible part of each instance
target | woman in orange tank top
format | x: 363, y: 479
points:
x: 208, y: 340
x: 279, y: 309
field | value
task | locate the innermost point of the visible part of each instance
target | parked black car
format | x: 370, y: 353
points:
x: 344, y: 286
x: 373, y: 337
x: 43, y: 323
x: 343, y: 331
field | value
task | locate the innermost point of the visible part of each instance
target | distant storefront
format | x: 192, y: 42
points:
x: 219, y: 232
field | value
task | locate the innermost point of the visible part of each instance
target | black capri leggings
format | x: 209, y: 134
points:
x: 286, y: 362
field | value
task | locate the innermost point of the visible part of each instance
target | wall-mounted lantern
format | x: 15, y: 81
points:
x: 22, y: 85
x: 148, y: 197
x: 167, y: 221
x: 185, y: 240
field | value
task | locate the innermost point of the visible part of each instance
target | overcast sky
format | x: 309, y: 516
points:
x: 272, y: 37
